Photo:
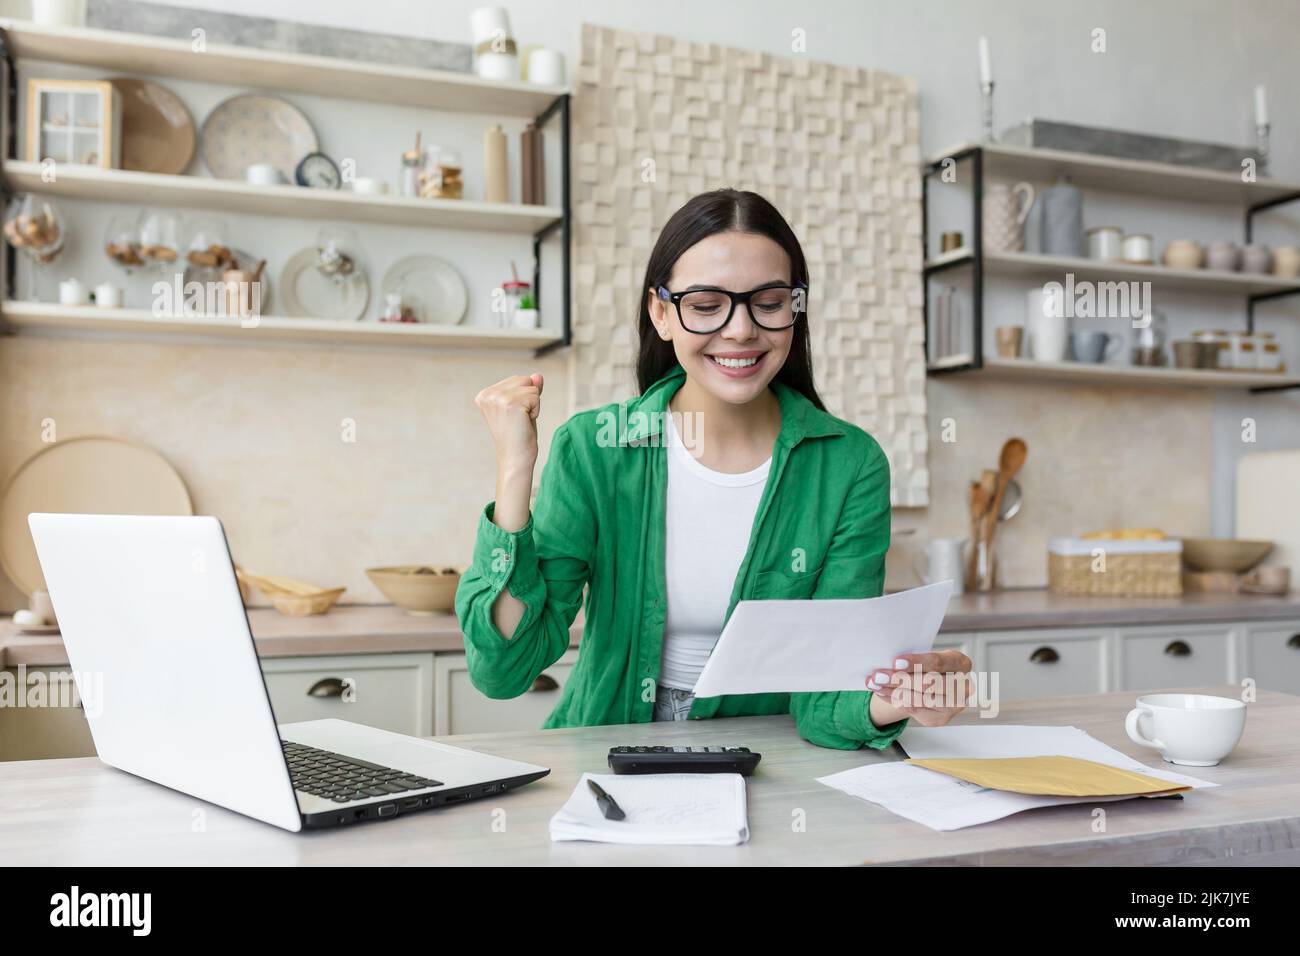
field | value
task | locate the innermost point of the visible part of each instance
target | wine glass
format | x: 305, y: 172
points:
x: 122, y: 242
x: 160, y: 239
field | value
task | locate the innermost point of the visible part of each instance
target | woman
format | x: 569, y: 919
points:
x: 725, y: 480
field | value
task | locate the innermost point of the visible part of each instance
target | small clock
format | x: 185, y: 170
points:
x: 317, y: 171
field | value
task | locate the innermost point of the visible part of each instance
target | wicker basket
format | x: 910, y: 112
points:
x: 1132, y: 568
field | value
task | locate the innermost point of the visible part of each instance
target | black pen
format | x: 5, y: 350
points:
x: 606, y: 803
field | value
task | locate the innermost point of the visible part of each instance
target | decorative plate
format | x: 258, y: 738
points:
x: 251, y: 128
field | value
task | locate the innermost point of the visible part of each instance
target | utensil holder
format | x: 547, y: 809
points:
x: 981, y: 567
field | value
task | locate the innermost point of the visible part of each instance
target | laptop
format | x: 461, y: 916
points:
x: 165, y: 664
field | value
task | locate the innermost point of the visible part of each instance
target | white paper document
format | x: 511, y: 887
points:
x: 791, y: 646
x: 698, y: 809
x: 942, y: 802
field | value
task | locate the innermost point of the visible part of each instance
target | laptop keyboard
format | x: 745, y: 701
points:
x: 344, y: 779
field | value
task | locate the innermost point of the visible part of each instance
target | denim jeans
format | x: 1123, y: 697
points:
x: 671, y: 703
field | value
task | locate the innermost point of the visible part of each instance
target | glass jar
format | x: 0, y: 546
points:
x: 1270, y: 358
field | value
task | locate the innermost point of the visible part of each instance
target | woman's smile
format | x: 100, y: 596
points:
x: 737, y: 364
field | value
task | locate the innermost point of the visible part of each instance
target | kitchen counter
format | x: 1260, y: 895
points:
x: 347, y: 629
x: 385, y: 629
x: 105, y: 816
x: 1038, y: 608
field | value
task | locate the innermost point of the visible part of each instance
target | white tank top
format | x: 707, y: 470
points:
x: 709, y: 519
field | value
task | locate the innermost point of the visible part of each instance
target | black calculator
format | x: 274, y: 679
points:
x: 739, y: 760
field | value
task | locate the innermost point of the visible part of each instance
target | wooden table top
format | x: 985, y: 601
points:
x: 63, y: 812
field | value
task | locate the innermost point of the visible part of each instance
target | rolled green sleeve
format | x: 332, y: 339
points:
x: 544, y: 565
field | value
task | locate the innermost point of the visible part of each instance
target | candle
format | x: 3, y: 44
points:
x: 1261, y: 107
x: 986, y: 64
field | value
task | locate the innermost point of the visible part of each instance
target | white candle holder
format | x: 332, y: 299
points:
x: 1261, y: 146
x: 989, y: 136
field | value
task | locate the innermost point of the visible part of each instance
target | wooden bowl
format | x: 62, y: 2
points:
x: 294, y: 598
x: 1224, y: 554
x: 418, y: 588
x: 302, y: 605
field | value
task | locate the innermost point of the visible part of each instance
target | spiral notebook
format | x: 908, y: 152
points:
x: 690, y: 809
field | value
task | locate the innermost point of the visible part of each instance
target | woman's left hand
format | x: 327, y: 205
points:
x: 930, y: 688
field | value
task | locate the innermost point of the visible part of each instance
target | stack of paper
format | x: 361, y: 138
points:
x: 944, y: 802
x: 698, y: 809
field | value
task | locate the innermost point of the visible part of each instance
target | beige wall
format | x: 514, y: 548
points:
x: 255, y: 432
x: 1099, y: 457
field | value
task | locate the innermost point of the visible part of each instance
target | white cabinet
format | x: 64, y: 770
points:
x: 1045, y: 663
x: 1271, y: 656
x: 1162, y: 658
x: 50, y: 723
x: 390, y: 691
x: 460, y: 708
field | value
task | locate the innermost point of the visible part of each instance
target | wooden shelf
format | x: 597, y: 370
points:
x: 1094, y: 270
x: 117, y: 51
x: 1084, y: 373
x: 225, y: 195
x: 88, y: 318
x: 1125, y: 175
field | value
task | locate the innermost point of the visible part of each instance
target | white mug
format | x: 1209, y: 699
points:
x: 263, y: 174
x: 108, y: 296
x: 72, y: 292
x: 942, y: 562
x: 1194, y: 730
x: 1046, y: 326
x: 369, y: 186
x: 546, y: 67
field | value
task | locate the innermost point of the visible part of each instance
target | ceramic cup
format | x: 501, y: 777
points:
x: 1046, y: 326
x: 369, y: 186
x: 72, y: 292
x: 942, y: 562
x: 1286, y: 262
x: 1093, y: 347
x: 1256, y: 259
x: 1010, y: 338
x: 42, y: 605
x: 546, y: 67
x: 1223, y: 257
x: 1184, y: 254
x: 1194, y: 730
x: 263, y: 174
x: 108, y: 296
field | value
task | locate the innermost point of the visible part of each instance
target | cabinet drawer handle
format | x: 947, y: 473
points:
x: 544, y: 682
x: 327, y: 687
x: 1044, y: 655
x: 1293, y: 642
x: 1178, y: 649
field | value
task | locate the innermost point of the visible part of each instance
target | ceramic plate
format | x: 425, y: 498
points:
x: 431, y: 287
x: 35, y: 628
x: 248, y: 129
x: 243, y: 261
x: 307, y: 293
x: 157, y: 130
x: 90, y: 475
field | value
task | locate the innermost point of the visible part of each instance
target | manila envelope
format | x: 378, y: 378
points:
x: 1052, y: 776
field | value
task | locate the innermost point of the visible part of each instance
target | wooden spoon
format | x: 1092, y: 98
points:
x: 1010, y: 462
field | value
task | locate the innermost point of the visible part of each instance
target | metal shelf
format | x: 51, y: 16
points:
x: 1099, y: 172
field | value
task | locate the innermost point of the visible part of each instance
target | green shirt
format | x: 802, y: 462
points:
x: 821, y: 531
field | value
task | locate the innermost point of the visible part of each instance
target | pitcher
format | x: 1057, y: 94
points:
x: 1005, y: 208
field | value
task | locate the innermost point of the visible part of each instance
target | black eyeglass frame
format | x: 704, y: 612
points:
x: 736, y: 297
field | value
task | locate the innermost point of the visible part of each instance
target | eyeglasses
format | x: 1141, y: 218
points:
x: 705, y: 311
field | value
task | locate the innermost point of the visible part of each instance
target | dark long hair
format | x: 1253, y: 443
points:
x: 722, y: 210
